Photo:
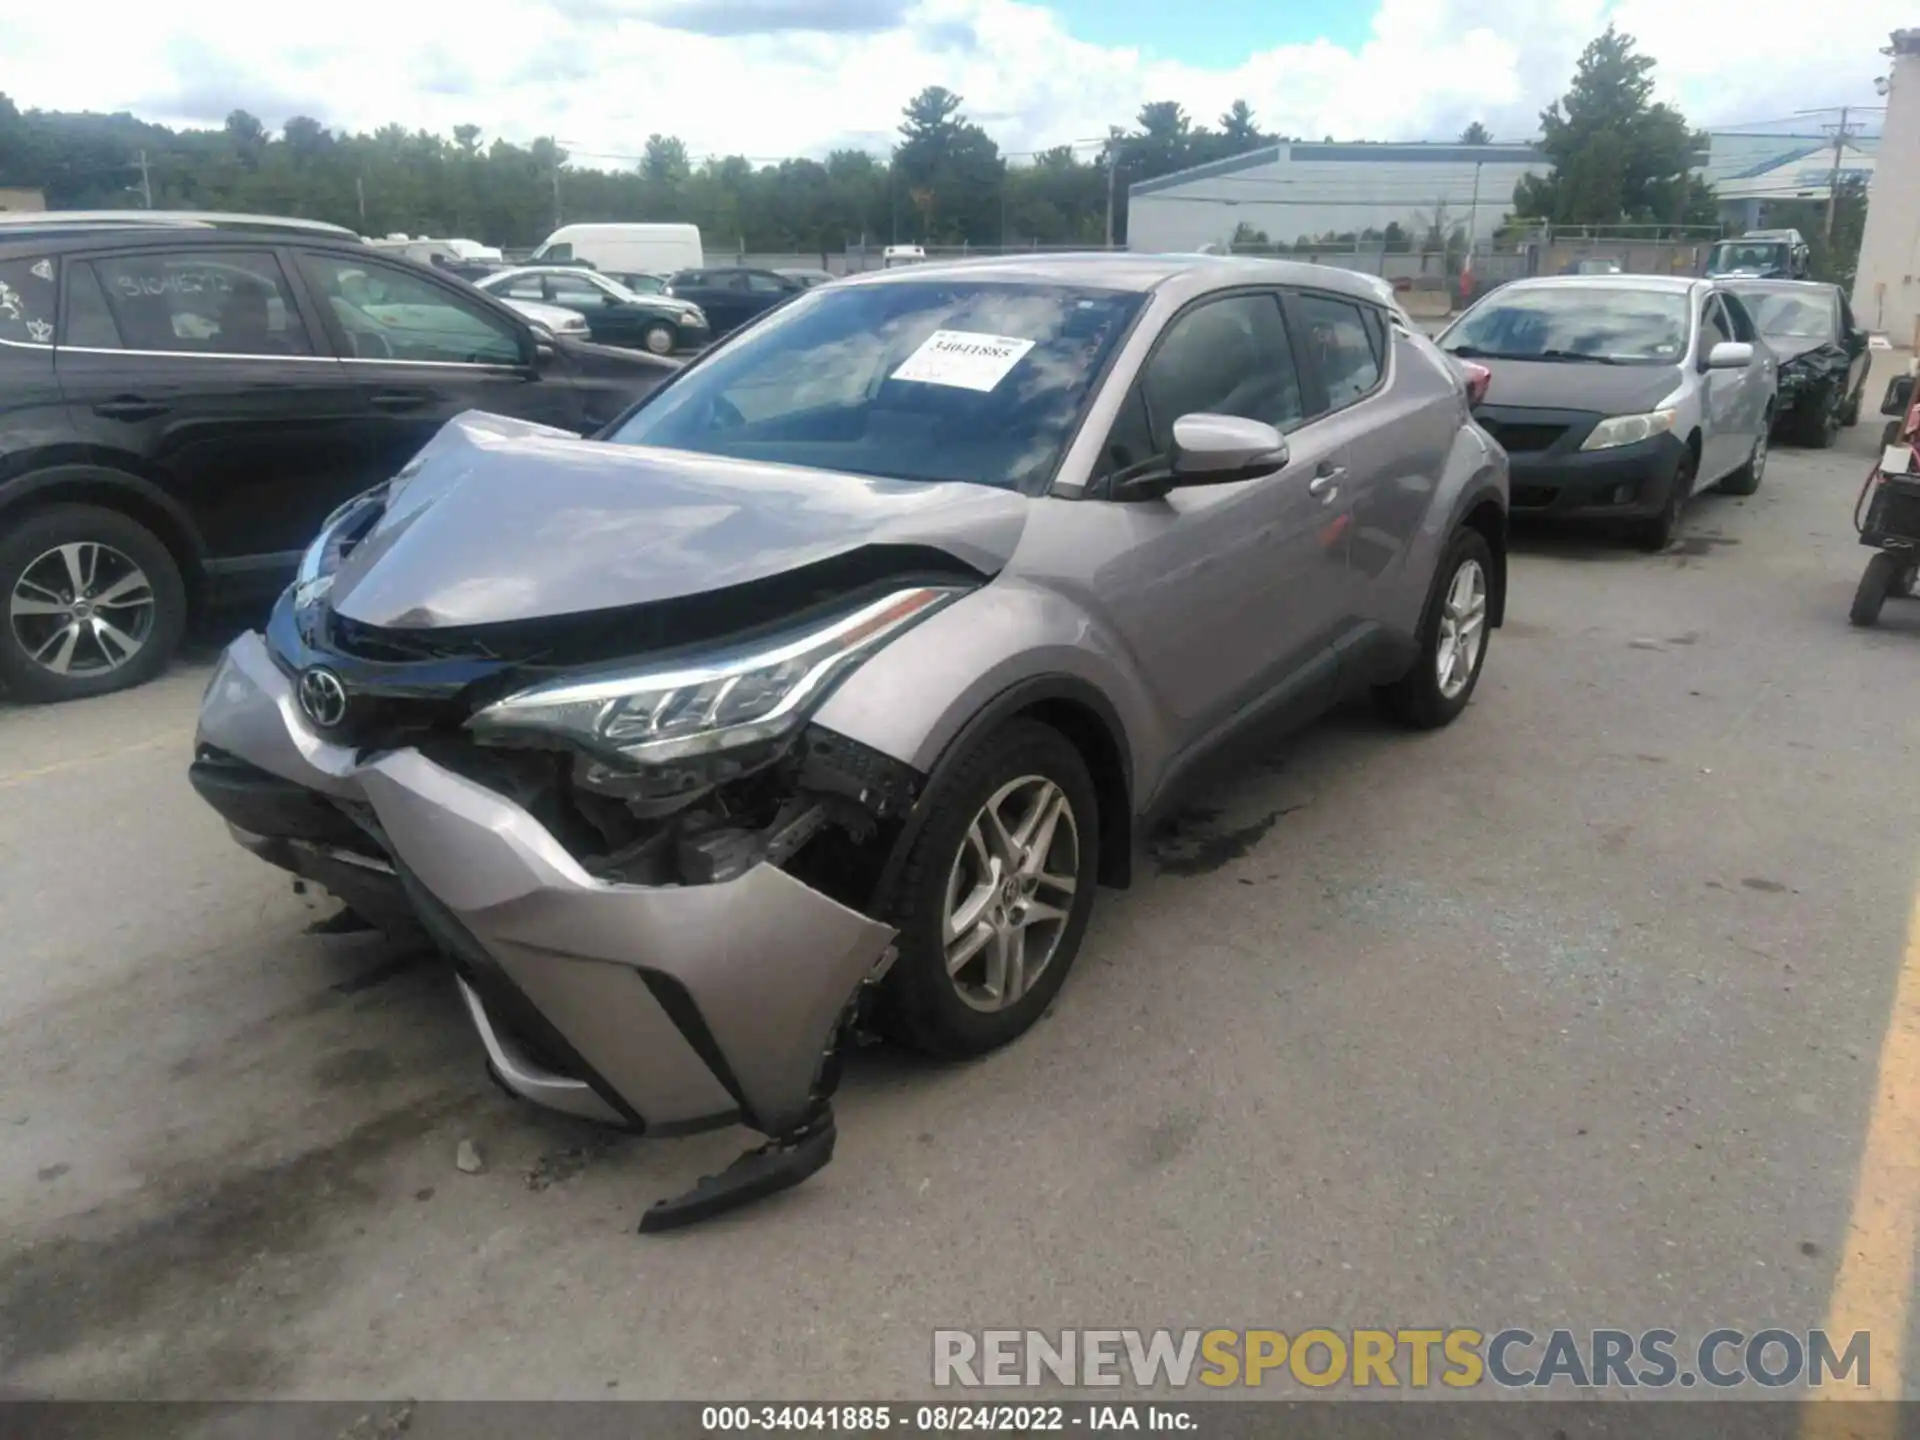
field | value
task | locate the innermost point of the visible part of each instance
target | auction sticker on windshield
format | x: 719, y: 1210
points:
x: 964, y: 359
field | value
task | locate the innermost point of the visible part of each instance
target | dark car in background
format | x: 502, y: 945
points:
x: 1823, y: 355
x: 615, y: 315
x: 734, y: 294
x: 181, y: 408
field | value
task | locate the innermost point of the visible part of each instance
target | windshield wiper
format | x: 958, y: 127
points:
x: 1580, y: 356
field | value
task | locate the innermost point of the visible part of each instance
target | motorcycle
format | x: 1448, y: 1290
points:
x: 1887, y: 512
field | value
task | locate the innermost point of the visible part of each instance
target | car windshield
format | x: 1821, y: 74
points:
x: 1609, y: 323
x: 1784, y: 316
x: 928, y: 381
x: 1748, y: 256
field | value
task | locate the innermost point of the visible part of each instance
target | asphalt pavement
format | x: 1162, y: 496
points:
x: 1574, y: 1014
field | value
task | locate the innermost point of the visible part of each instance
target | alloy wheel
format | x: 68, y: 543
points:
x: 1463, y: 629
x: 1010, y: 893
x: 83, y: 608
x: 1757, y: 462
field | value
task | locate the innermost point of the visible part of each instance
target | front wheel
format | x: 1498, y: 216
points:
x: 1875, y: 581
x: 1746, y: 480
x: 659, y: 339
x: 1656, y: 532
x: 90, y: 602
x: 995, y: 893
x: 1453, y: 640
x: 1820, y: 422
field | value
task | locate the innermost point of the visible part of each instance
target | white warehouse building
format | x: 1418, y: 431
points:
x: 1302, y: 188
x: 1298, y: 188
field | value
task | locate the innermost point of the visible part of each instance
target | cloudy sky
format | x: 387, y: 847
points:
x: 768, y: 78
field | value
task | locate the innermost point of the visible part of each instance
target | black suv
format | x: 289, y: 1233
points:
x: 734, y: 294
x: 181, y: 408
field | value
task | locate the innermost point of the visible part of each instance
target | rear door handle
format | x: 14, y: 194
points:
x: 1325, y: 485
x: 397, y: 399
x: 129, y: 407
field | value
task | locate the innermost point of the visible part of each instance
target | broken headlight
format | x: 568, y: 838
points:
x: 695, y: 724
x: 339, y: 533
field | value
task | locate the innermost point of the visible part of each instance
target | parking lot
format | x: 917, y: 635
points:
x: 1569, y: 1015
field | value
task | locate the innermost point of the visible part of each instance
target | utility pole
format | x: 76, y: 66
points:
x: 146, y: 183
x: 556, y: 193
x: 1113, y: 170
x: 360, y: 195
x: 1473, y: 212
x: 1840, y: 134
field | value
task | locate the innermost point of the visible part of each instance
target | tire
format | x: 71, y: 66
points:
x: 1656, y: 532
x: 659, y: 339
x: 1819, y: 423
x: 1875, y: 581
x: 1419, y: 699
x: 1904, y: 582
x: 113, y: 552
x: 1746, y: 480
x: 954, y: 1017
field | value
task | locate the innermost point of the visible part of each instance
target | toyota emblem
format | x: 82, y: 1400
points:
x: 323, y: 697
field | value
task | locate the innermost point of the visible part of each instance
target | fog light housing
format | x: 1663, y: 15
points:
x: 1623, y: 494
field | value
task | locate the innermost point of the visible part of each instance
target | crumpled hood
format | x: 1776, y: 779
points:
x: 1792, y: 347
x: 499, y: 519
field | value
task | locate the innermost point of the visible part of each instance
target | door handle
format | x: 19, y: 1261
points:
x: 129, y: 407
x: 397, y: 399
x: 1325, y: 485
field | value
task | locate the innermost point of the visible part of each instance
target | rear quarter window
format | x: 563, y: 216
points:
x: 27, y: 300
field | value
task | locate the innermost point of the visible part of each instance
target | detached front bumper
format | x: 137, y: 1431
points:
x: 667, y: 1009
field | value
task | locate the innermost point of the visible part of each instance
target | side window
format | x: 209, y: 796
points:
x: 761, y: 284
x: 690, y: 279
x: 558, y: 254
x: 219, y: 302
x: 89, y: 322
x: 1228, y: 357
x: 1713, y: 326
x: 735, y: 281
x: 575, y: 290
x: 523, y: 287
x: 388, y: 314
x: 1738, y: 320
x: 1340, y: 346
x: 26, y: 300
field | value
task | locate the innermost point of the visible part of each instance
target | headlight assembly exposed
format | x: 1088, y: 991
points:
x: 1620, y: 430
x: 675, y: 717
x: 339, y: 533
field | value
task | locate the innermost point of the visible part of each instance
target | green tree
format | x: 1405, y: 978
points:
x: 1476, y: 134
x: 1239, y: 129
x: 950, y: 169
x: 1618, y: 156
x: 666, y: 160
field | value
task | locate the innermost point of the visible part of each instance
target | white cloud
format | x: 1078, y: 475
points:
x: 775, y: 77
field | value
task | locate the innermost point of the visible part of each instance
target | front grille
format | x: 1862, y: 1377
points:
x: 1523, y: 439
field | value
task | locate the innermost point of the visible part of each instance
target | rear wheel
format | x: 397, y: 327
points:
x: 659, y: 339
x: 1453, y: 640
x: 1875, y: 581
x: 1657, y: 531
x: 90, y: 602
x: 994, y: 897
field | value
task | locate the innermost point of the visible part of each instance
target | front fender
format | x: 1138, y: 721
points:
x: 914, y: 699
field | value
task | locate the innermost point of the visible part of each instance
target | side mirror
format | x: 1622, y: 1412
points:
x: 1207, y: 450
x: 1730, y: 355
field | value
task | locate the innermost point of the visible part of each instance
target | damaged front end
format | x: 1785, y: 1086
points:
x: 655, y: 875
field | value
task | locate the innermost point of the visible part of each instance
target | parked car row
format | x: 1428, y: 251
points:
x: 1618, y: 397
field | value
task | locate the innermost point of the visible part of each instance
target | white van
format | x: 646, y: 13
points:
x: 635, y: 249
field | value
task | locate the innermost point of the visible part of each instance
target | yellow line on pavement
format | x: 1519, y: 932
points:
x: 1874, y: 1288
x: 182, y: 738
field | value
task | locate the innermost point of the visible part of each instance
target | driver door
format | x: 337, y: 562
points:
x: 1726, y: 434
x: 423, y: 353
x: 1227, y: 594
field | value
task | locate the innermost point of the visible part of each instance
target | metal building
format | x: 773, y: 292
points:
x: 1886, y: 287
x: 1302, y: 188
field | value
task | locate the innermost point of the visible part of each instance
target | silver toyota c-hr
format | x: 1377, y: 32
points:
x: 824, y: 687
